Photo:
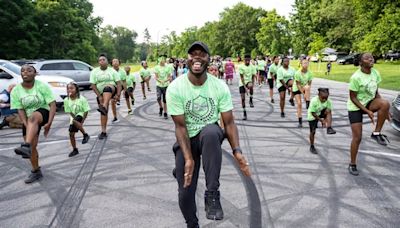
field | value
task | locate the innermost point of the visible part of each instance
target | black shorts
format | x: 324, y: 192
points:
x: 357, y: 116
x: 45, y: 115
x: 130, y: 89
x: 161, y: 92
x: 271, y: 83
x: 242, y: 89
x: 297, y: 92
x: 72, y: 127
x: 262, y: 73
x: 283, y: 88
x: 314, y: 123
x: 114, y: 93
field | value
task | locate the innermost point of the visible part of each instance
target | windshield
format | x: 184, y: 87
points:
x: 11, y: 66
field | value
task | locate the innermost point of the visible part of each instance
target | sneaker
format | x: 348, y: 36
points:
x: 34, y: 176
x: 353, y: 169
x: 149, y: 89
x: 73, y: 152
x: 300, y: 125
x: 291, y: 102
x: 4, y: 123
x: 282, y: 114
x: 330, y: 131
x: 133, y: 102
x: 272, y: 101
x: 85, y: 139
x: 114, y: 121
x: 165, y: 115
x: 24, y: 150
x: 380, y: 138
x: 251, y: 104
x: 160, y: 112
x: 130, y: 112
x: 118, y: 103
x: 244, y: 115
x: 144, y: 97
x: 313, y: 150
x: 102, y: 135
x: 213, y: 205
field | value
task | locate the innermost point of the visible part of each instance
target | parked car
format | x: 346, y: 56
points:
x: 10, y: 73
x: 73, y: 69
x: 314, y: 58
x: 349, y: 59
x: 392, y: 55
x: 395, y: 112
x: 331, y: 57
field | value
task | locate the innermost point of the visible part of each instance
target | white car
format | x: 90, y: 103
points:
x: 10, y: 73
x: 331, y: 57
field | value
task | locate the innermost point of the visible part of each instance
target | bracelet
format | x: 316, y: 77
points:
x: 236, y: 150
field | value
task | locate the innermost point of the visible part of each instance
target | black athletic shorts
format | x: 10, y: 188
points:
x: 242, y: 89
x: 314, y: 123
x: 357, y: 116
x: 262, y: 73
x: 283, y: 88
x: 72, y: 127
x: 297, y: 92
x: 45, y: 115
x: 161, y: 92
x: 113, y: 94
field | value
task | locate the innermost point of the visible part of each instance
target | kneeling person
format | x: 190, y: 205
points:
x: 195, y: 102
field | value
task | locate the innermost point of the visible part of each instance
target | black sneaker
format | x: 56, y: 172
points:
x: 73, y: 152
x: 300, y: 125
x: 353, y: 169
x: 114, y: 121
x: 102, y: 135
x: 213, y: 205
x: 85, y: 139
x: 133, y: 102
x: 4, y: 123
x: 34, y: 176
x: 330, y: 131
x: 291, y: 102
x: 244, y: 115
x: 251, y: 103
x: 24, y: 150
x: 272, y: 101
x: 380, y: 139
x: 282, y: 114
x: 144, y: 97
x: 160, y: 112
x: 118, y: 103
x: 165, y: 115
x: 313, y: 150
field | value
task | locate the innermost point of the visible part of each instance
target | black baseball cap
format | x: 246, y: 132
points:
x: 199, y: 44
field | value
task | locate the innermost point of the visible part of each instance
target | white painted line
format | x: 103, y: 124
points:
x: 379, y: 153
x: 48, y: 143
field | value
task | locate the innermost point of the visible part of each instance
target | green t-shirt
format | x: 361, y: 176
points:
x: 78, y: 106
x: 285, y: 75
x: 261, y: 65
x: 102, y: 78
x: 247, y: 72
x: 163, y: 73
x: 144, y: 73
x: 130, y: 80
x: 30, y: 100
x: 273, y: 69
x: 317, y: 106
x: 201, y: 105
x: 122, y: 74
x: 303, y: 78
x: 365, y: 85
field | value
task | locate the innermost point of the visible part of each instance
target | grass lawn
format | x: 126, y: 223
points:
x: 390, y: 72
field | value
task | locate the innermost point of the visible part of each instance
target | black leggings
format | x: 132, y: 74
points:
x: 207, y: 144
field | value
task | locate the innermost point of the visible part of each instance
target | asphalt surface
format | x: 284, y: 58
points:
x: 126, y: 180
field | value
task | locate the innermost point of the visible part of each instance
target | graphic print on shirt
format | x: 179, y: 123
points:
x: 201, y: 109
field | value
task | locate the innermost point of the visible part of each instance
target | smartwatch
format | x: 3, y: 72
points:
x: 236, y: 150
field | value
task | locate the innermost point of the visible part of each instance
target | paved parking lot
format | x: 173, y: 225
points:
x: 126, y: 180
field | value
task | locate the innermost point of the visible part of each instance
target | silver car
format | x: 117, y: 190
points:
x: 74, y: 69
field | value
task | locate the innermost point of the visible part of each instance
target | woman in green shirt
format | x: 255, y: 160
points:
x: 145, y: 75
x: 365, y: 99
x: 302, y: 85
x: 36, y: 108
x: 272, y: 71
x: 284, y: 82
x: 130, y: 84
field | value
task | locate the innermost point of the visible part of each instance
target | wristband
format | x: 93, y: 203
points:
x: 236, y: 150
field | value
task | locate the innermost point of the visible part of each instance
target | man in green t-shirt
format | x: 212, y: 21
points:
x: 163, y: 75
x: 261, y: 64
x: 36, y: 107
x: 145, y: 75
x: 272, y: 73
x: 247, y: 73
x: 107, y: 86
x: 195, y: 102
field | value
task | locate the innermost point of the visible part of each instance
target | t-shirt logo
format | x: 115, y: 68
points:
x: 104, y: 76
x: 200, y: 109
x: 371, y: 87
x: 30, y: 101
x: 76, y: 108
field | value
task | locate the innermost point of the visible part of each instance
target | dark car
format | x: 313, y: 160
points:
x: 392, y: 55
x: 395, y: 111
x: 349, y: 59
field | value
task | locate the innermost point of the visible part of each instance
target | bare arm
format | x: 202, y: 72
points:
x: 22, y: 116
x: 52, y: 113
x: 184, y: 142
x: 353, y: 98
x: 242, y: 79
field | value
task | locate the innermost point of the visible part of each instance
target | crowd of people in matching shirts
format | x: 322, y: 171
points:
x: 36, y: 106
